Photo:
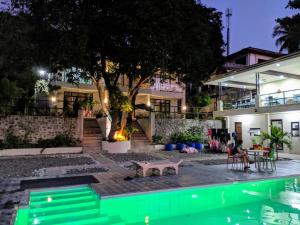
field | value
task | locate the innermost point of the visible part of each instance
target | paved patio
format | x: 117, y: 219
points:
x: 193, y: 172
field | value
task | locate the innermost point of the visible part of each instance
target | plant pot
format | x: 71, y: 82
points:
x: 199, y: 146
x: 169, y: 147
x: 180, y: 146
x: 191, y: 144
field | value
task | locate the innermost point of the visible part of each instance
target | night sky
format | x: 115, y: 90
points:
x: 252, y: 22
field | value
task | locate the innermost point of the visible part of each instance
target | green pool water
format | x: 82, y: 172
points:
x: 275, y: 201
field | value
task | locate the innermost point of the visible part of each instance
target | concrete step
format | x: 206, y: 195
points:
x: 92, y: 132
x: 93, y: 138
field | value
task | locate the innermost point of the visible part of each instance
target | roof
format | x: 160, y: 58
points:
x: 255, y: 51
x: 270, y: 71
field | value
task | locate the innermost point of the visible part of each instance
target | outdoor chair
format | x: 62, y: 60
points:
x: 236, y: 161
x: 270, y: 158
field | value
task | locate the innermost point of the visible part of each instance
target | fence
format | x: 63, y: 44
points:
x: 182, y: 113
x: 37, y: 107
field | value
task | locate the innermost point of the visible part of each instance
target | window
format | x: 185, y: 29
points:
x: 241, y: 61
x: 161, y: 105
x: 71, y: 97
x: 261, y: 60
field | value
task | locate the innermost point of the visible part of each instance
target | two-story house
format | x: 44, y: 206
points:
x: 163, y: 95
x: 271, y: 97
x: 234, y: 62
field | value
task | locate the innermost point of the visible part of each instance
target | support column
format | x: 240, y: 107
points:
x: 257, y: 84
x: 220, y: 102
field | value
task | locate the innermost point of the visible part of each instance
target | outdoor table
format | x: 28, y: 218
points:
x: 257, y: 154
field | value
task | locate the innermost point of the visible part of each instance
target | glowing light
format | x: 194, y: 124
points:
x: 226, y: 84
x: 194, y: 196
x: 42, y: 72
x: 118, y: 136
x: 244, y: 87
x: 232, y: 77
x: 248, y: 211
x: 277, y: 64
x: 147, y: 219
x: 184, y: 108
x: 281, y: 76
x: 148, y: 103
x: 53, y: 99
x: 105, y: 100
x: 49, y: 199
x: 35, y: 221
x: 228, y: 219
x: 260, y: 81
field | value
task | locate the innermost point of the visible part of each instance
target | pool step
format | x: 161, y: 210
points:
x: 53, y: 202
x: 68, y: 217
x: 111, y: 220
x: 59, y: 191
x: 34, y: 199
x: 75, y: 208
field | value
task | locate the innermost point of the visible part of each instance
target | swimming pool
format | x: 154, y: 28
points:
x: 274, y: 201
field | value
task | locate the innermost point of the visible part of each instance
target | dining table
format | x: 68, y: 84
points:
x: 257, y: 153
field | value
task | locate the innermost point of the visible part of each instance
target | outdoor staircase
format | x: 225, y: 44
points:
x: 91, y: 135
x: 80, y: 205
x: 139, y: 140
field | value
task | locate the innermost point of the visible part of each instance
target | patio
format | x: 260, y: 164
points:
x: 111, y: 174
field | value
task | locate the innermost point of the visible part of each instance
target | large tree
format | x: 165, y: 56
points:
x: 288, y: 30
x: 17, y: 77
x: 105, y: 39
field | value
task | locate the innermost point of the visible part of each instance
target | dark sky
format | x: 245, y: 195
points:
x: 252, y: 22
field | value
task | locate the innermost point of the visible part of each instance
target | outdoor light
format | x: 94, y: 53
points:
x: 226, y: 84
x: 49, y: 199
x: 232, y: 77
x: 53, y: 99
x: 260, y: 81
x: 277, y: 64
x: 244, y: 87
x: 35, y: 221
x: 281, y: 76
x: 149, y: 103
x: 42, y: 72
x: 184, y: 108
x: 105, y: 100
x: 146, y: 219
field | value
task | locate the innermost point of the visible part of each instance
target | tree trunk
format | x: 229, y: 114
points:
x: 101, y: 97
x: 114, y: 125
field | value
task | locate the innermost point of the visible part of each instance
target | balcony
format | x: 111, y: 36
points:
x: 280, y: 98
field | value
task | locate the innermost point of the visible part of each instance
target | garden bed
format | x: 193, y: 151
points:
x: 40, y: 151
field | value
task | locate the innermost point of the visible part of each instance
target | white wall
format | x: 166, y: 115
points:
x: 253, y: 58
x: 287, y: 118
x: 248, y: 121
x: 262, y: 121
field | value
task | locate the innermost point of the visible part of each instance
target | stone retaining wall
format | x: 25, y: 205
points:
x: 38, y: 127
x: 166, y: 127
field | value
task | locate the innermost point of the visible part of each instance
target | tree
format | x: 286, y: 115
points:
x: 16, y: 55
x: 288, y: 30
x: 104, y: 40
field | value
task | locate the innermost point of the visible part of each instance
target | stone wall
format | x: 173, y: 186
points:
x: 166, y: 127
x: 38, y: 127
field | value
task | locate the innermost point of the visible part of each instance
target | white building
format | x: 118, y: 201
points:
x: 273, y: 97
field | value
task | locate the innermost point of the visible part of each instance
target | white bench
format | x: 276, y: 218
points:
x: 160, y: 165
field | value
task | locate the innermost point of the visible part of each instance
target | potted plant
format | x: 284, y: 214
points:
x: 179, y: 139
x: 276, y: 137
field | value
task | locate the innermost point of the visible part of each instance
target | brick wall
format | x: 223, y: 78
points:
x: 38, y: 127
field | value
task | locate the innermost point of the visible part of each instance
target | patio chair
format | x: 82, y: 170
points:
x: 236, y: 161
x: 270, y: 158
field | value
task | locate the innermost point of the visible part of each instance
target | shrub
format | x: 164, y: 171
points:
x: 193, y: 134
x: 157, y: 139
x: 61, y: 140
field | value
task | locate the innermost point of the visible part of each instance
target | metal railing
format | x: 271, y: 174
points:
x: 35, y: 107
x: 178, y: 112
x: 281, y: 98
x: 239, y: 104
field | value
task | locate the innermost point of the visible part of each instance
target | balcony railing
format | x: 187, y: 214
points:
x: 281, y: 98
x: 239, y: 104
